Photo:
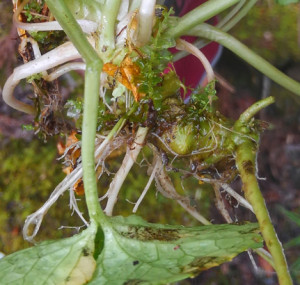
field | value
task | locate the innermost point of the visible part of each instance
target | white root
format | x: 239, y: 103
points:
x: 167, y: 189
x: 64, y: 53
x: 103, y: 91
x: 73, y: 206
x: 236, y: 196
x: 10, y: 100
x: 145, y: 20
x: 137, y: 204
x: 186, y: 46
x: 57, y: 56
x: 128, y: 161
x: 64, y: 69
x: 35, y: 48
x: 123, y: 11
x: 35, y: 219
x: 86, y: 25
x: 241, y: 200
x: 220, y: 204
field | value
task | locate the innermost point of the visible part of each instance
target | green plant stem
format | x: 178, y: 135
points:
x: 246, y: 164
x: 246, y: 159
x: 228, y: 22
x: 120, y: 124
x: 265, y: 256
x: 231, y: 14
x: 214, y: 34
x: 241, y: 14
x: 91, y: 98
x: 249, y: 113
x: 199, y: 15
x: 109, y: 16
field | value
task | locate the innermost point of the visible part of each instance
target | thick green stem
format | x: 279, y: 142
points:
x: 214, y: 34
x: 246, y: 159
x: 91, y: 98
x: 246, y: 164
x: 200, y: 15
x: 109, y: 16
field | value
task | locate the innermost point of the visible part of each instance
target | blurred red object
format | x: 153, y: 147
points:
x: 189, y: 69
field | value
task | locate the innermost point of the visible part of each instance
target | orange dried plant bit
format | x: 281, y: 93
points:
x: 200, y: 181
x: 67, y: 170
x: 21, y: 32
x: 78, y: 187
x: 60, y: 148
x: 125, y: 74
x: 75, y: 154
x: 71, y: 139
x: 117, y: 73
x: 110, y: 68
x: 131, y: 71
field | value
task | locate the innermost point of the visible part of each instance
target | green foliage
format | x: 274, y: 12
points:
x: 155, y: 60
x: 134, y: 251
x: 32, y: 78
x: 52, y: 262
x: 33, y: 7
x: 28, y: 127
x: 202, y: 100
x: 48, y: 40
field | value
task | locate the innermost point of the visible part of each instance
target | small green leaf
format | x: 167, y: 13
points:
x: 52, y: 262
x: 37, y: 76
x: 28, y: 127
x: 136, y: 251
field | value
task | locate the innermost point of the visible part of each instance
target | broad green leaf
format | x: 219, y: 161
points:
x: 138, y: 252
x: 66, y: 261
x: 134, y: 251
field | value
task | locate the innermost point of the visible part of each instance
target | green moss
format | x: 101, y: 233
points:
x: 29, y: 173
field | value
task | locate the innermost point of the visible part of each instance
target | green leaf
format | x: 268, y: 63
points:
x: 52, y: 262
x: 134, y: 251
x: 137, y: 251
